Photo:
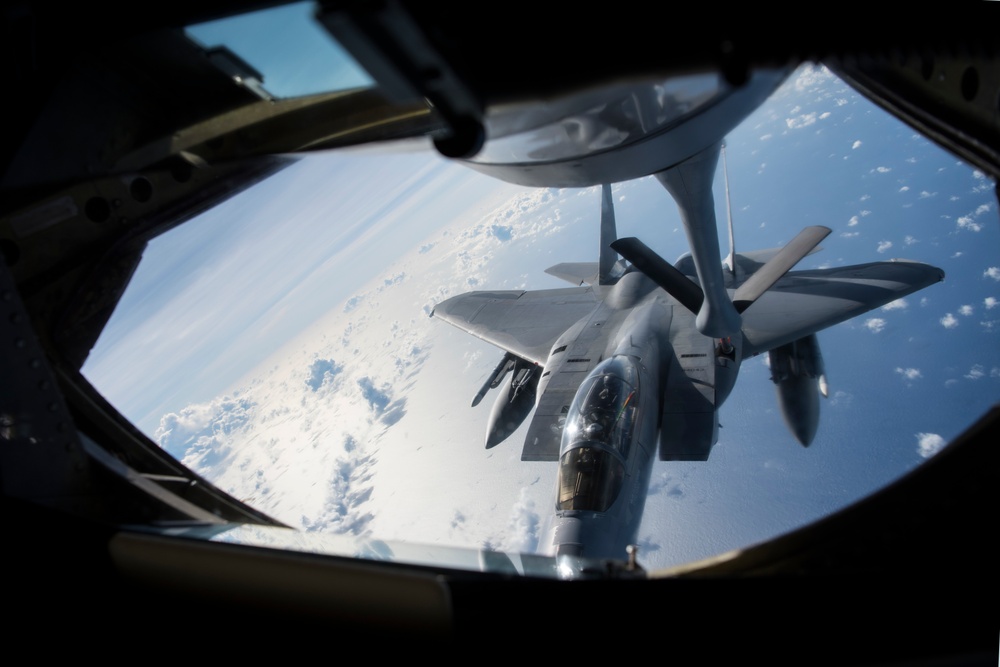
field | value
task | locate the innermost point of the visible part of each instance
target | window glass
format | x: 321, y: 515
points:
x: 589, y: 479
x: 295, y: 55
x: 281, y: 346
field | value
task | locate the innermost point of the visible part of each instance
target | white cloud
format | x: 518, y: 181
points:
x: 200, y: 434
x: 990, y: 302
x: 982, y: 208
x: 909, y: 240
x: 803, y: 120
x: 984, y: 183
x: 884, y: 245
x: 966, y: 222
x: 992, y: 272
x: 765, y: 137
x: 975, y: 372
x: 909, y: 373
x: 841, y: 398
x: 883, y: 170
x: 905, y: 188
x: 850, y: 235
x: 965, y: 310
x: 929, y: 444
x: 875, y: 324
x: 523, y: 526
x: 898, y: 304
x: 853, y: 221
x: 949, y: 321
x: 856, y: 144
x: 924, y: 194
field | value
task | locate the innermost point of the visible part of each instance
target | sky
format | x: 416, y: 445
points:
x: 281, y: 344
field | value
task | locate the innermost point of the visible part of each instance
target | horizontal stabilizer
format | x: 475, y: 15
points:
x: 657, y: 269
x: 779, y: 265
x: 575, y: 273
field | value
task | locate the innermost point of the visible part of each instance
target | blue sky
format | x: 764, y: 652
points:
x: 221, y: 295
x: 334, y: 263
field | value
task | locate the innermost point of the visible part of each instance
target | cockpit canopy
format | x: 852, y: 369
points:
x: 597, y: 436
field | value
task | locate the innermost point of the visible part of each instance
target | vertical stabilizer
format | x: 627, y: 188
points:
x: 607, y: 273
x: 731, y: 260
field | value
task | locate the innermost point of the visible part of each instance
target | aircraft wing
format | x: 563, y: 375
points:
x: 805, y: 302
x: 523, y: 323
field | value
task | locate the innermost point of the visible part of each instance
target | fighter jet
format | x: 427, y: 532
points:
x: 619, y: 372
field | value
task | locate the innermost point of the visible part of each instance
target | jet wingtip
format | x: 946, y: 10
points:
x: 937, y: 272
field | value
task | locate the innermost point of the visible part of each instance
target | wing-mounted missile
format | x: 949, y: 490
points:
x: 496, y: 377
x: 516, y: 398
x: 798, y: 374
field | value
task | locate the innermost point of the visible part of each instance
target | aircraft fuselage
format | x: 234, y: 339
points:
x: 613, y: 427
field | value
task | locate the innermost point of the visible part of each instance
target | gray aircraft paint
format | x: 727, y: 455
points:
x: 645, y: 320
